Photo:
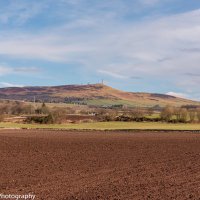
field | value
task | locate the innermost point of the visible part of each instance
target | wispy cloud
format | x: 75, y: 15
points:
x: 176, y: 94
x: 19, y: 12
x: 5, y: 69
x: 149, y: 2
x: 27, y: 70
x: 113, y: 74
x: 5, y: 84
x: 192, y: 74
x: 111, y: 38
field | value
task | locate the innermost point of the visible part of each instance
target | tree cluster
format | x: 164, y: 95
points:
x: 180, y: 115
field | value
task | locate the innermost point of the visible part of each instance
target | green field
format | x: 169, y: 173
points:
x: 110, y: 102
x: 107, y: 126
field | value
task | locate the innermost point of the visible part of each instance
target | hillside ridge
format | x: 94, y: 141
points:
x: 90, y: 94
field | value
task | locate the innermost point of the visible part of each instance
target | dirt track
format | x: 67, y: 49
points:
x: 100, y: 165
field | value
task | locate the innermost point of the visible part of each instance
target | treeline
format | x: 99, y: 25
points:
x: 34, y: 114
x: 180, y: 115
x: 15, y: 108
x: 43, y: 114
x: 167, y: 114
x: 126, y: 114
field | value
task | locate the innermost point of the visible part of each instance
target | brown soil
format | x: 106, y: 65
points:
x: 100, y: 165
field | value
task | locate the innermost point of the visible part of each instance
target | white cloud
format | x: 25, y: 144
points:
x: 19, y: 11
x: 5, y: 70
x: 149, y: 2
x: 26, y: 70
x: 42, y: 47
x: 161, y: 49
x: 5, y: 84
x: 175, y: 94
x: 112, y: 74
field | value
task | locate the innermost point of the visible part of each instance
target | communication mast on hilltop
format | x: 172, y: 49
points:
x: 102, y: 82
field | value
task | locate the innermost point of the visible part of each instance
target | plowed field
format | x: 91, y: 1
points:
x: 93, y: 165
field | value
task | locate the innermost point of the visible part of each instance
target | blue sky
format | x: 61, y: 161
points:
x: 134, y: 45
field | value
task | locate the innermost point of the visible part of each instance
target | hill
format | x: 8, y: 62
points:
x: 91, y: 94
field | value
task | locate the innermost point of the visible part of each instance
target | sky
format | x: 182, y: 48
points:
x: 133, y: 45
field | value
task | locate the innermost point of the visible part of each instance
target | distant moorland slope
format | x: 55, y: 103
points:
x: 91, y: 94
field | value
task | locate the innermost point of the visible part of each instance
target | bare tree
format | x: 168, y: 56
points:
x: 198, y: 115
x: 183, y: 115
x: 192, y: 115
x: 167, y: 113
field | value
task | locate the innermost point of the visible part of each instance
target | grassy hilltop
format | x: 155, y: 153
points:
x: 91, y: 94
